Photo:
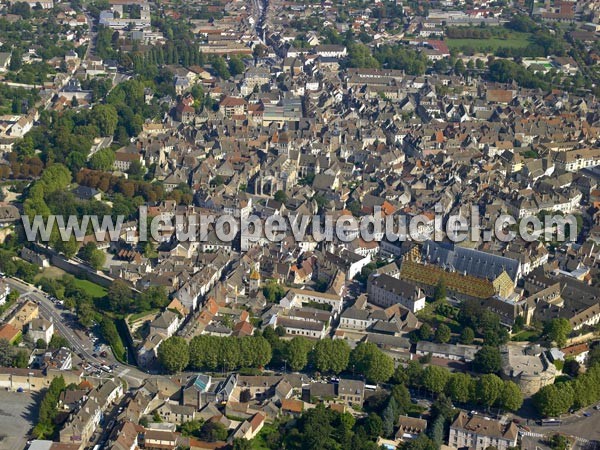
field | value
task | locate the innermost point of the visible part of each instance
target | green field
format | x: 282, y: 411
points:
x: 93, y: 289
x: 516, y: 40
x: 527, y: 336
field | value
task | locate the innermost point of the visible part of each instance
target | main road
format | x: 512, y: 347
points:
x: 79, y: 343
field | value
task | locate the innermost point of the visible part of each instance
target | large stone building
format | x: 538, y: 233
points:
x: 480, y: 432
x: 528, y: 367
x: 385, y: 290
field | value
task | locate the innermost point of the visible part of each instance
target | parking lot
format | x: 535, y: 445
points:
x: 18, y: 412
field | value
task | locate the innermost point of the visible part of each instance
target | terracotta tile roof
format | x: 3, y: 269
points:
x: 293, y: 405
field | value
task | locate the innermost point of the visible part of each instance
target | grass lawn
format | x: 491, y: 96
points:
x: 515, y: 40
x: 52, y: 273
x: 93, y: 289
x: 526, y: 335
x: 137, y: 316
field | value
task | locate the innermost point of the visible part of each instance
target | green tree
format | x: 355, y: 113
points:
x: 373, y: 426
x: 401, y: 395
x: 69, y: 247
x: 571, y: 367
x: 236, y: 66
x: 173, y: 354
x: 369, y: 360
x: 558, y: 330
x: 488, y: 389
x: 593, y: 356
x: 316, y: 429
x: 460, y: 387
x: 296, y: 352
x: 191, y: 428
x: 6, y: 353
x: 273, y: 292
x: 57, y: 341
x: 331, y: 355
x: 90, y: 253
x: 153, y: 297
x: 85, y: 314
x: 425, y: 332
x: 111, y: 335
x: 436, y: 431
x: 560, y: 442
x: 242, y: 444
x: 280, y: 196
x: 213, y: 431
x: 487, y: 360
x: 86, y: 251
x: 414, y: 372
x: 423, y: 442
x: 220, y: 67
x: 57, y: 177
x: 442, y: 334
x: 120, y: 297
x: 136, y: 170
x: 48, y: 409
x: 359, y: 55
x: 103, y: 159
x: 105, y: 117
x: 440, y: 293
x: 97, y: 259
x: 435, y: 379
x: 511, y: 397
x: 389, y: 417
x: 554, y: 399
x: 467, y: 336
x: 21, y: 359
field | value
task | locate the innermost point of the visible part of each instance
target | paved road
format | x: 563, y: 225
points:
x: 91, y: 35
x: 79, y: 342
x: 587, y: 428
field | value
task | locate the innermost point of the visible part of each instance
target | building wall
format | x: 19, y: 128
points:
x: 385, y: 298
x: 461, y: 438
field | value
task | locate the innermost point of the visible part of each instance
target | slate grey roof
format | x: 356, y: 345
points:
x: 472, y: 262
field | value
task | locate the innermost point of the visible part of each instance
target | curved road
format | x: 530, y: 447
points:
x: 83, y: 346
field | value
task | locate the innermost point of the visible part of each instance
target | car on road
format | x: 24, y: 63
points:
x: 597, y: 407
x: 587, y: 414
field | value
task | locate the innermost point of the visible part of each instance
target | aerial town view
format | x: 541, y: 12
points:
x: 299, y: 224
